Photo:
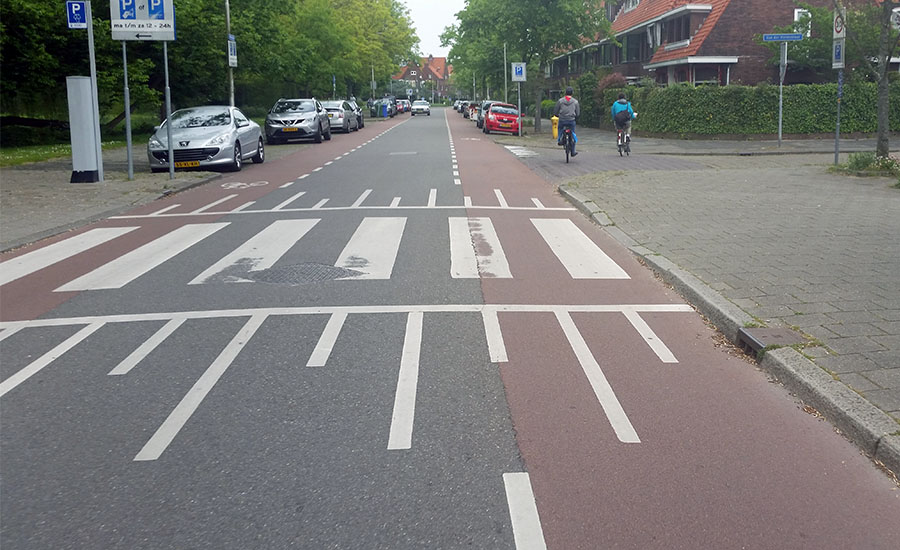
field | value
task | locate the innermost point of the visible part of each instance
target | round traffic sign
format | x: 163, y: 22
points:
x: 838, y: 24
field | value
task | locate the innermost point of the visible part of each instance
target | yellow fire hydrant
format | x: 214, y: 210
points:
x: 554, y: 122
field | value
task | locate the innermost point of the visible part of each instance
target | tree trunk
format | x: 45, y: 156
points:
x: 881, y: 146
x: 537, y: 109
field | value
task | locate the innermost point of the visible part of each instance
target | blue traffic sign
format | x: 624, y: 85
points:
x: 156, y: 9
x: 76, y: 15
x: 127, y: 9
x: 789, y: 37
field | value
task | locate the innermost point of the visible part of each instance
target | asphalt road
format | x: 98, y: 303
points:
x: 393, y: 340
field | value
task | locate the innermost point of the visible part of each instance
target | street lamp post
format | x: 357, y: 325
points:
x: 230, y: 70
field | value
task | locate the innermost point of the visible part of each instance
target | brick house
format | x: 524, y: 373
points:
x: 705, y: 41
x: 417, y: 75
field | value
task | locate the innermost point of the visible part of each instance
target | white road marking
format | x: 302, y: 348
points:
x: 35, y: 366
x: 665, y: 355
x: 27, y: 264
x: 407, y: 384
x: 304, y: 176
x: 164, y: 210
x: 432, y: 198
x: 317, y: 169
x: 523, y: 512
x: 147, y: 347
x: 139, y: 261
x: 373, y: 248
x: 456, y: 173
x: 521, y: 151
x: 361, y: 198
x: 467, y: 202
x: 496, y: 346
x: 8, y: 332
x: 194, y: 397
x: 329, y: 163
x: 320, y: 204
x: 288, y: 184
x: 243, y: 206
x: 290, y: 200
x: 395, y: 203
x: 259, y: 252
x: 326, y: 341
x: 501, y: 199
x: 604, y: 392
x: 538, y: 203
x: 337, y: 158
x: 214, y: 203
x: 456, y: 181
x: 475, y: 250
x: 582, y: 258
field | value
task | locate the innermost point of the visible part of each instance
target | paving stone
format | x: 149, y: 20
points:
x: 886, y: 400
x: 816, y: 352
x: 814, y: 307
x: 855, y: 329
x: 858, y: 382
x: 841, y: 364
x: 854, y: 344
x: 854, y: 317
x: 815, y: 319
x: 886, y: 378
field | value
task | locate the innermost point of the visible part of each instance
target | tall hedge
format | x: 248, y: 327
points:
x: 808, y: 108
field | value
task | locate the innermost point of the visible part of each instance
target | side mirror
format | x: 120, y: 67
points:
x: 157, y: 127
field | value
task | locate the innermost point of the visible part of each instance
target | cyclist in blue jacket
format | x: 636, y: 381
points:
x: 622, y: 113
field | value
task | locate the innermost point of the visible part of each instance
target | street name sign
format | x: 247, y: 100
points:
x: 518, y: 72
x: 788, y: 37
x: 142, y: 19
x: 75, y: 15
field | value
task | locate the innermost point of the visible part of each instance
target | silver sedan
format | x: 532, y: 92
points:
x: 341, y: 116
x: 208, y: 136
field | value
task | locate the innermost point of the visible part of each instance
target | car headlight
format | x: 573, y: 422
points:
x: 155, y: 143
x: 219, y: 140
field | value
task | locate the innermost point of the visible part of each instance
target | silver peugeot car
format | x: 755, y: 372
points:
x: 297, y: 118
x: 209, y: 136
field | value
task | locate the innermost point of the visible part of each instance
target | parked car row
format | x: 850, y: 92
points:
x: 218, y: 135
x: 490, y: 115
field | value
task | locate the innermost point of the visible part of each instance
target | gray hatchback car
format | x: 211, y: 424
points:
x: 296, y: 119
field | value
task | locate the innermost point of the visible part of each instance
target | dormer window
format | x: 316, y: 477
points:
x: 412, y: 73
x: 631, y: 4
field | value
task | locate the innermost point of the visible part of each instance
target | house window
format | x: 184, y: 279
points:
x: 412, y: 73
x: 678, y: 29
x: 633, y: 43
x: 631, y: 4
x: 802, y: 16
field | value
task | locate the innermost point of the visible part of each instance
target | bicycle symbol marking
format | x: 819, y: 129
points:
x: 241, y: 185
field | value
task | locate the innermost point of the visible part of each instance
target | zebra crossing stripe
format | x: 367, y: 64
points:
x: 258, y: 253
x: 581, y: 257
x: 326, y: 341
x: 407, y: 385
x: 139, y: 261
x: 27, y: 264
x: 147, y: 347
x: 475, y: 250
x: 373, y: 248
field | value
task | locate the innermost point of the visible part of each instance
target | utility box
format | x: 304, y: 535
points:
x: 83, y: 131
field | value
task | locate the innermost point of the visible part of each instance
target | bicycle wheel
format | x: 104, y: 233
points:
x: 568, y: 147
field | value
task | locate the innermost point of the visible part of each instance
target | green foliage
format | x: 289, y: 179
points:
x: 547, y: 107
x: 684, y: 109
x: 868, y: 161
x: 584, y: 91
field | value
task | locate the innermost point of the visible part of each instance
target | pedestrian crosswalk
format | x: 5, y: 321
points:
x: 474, y: 245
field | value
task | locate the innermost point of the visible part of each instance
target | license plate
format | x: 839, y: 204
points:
x: 288, y: 129
x: 330, y: 115
x: 187, y: 164
x: 505, y: 125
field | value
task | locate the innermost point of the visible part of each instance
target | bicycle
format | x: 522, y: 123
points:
x: 623, y: 142
x: 568, y: 142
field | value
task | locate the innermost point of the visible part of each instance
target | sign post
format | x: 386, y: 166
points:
x: 78, y: 16
x: 838, y: 53
x: 519, y: 76
x: 784, y: 38
x: 144, y: 20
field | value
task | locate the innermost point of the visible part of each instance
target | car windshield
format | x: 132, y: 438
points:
x: 420, y: 102
x: 200, y: 117
x: 334, y: 105
x: 504, y: 110
x: 301, y: 106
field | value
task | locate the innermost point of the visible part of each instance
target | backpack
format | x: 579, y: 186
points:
x: 622, y: 117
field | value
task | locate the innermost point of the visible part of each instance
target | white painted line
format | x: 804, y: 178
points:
x: 373, y: 248
x: 317, y: 169
x: 243, y: 206
x: 395, y: 203
x: 164, y: 210
x: 407, y: 383
x: 456, y: 181
x: 289, y: 201
x: 288, y: 184
x: 456, y: 173
x: 139, y: 261
x: 35, y: 366
x: 8, y: 332
x: 538, y: 203
x: 494, y: 336
x: 467, y: 201
x: 329, y: 163
x: 455, y: 166
x: 604, y: 392
x: 501, y: 199
x: 214, y: 203
x: 475, y: 250
x: 147, y: 347
x: 432, y: 198
x: 662, y: 351
x: 319, y: 204
x: 259, y: 252
x: 347, y: 154
x: 523, y: 512
x: 27, y: 264
x: 582, y: 258
x: 361, y: 198
x: 337, y: 158
x: 304, y: 176
x: 326, y: 342
x: 194, y: 397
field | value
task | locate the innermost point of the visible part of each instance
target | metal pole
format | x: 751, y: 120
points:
x: 519, y: 93
x: 171, y: 156
x: 230, y: 70
x: 127, y: 115
x: 373, y: 81
x: 505, y: 76
x: 782, y: 70
x: 837, y: 126
x: 98, y: 144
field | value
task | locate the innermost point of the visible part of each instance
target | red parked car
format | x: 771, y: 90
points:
x: 501, y: 117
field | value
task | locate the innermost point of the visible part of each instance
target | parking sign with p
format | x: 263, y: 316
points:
x: 76, y: 15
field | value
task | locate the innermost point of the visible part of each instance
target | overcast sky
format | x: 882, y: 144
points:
x: 429, y: 18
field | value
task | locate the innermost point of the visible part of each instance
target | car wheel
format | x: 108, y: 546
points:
x: 238, y: 162
x: 356, y: 128
x: 318, y: 137
x: 260, y: 156
x: 328, y: 133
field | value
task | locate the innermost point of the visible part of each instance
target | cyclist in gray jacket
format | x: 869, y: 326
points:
x: 567, y: 109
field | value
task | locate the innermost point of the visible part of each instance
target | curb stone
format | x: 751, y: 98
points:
x: 864, y: 424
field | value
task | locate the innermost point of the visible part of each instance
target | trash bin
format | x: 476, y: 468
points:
x: 373, y: 110
x: 384, y: 109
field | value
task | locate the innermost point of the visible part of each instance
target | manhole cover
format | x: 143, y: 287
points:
x: 301, y: 274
